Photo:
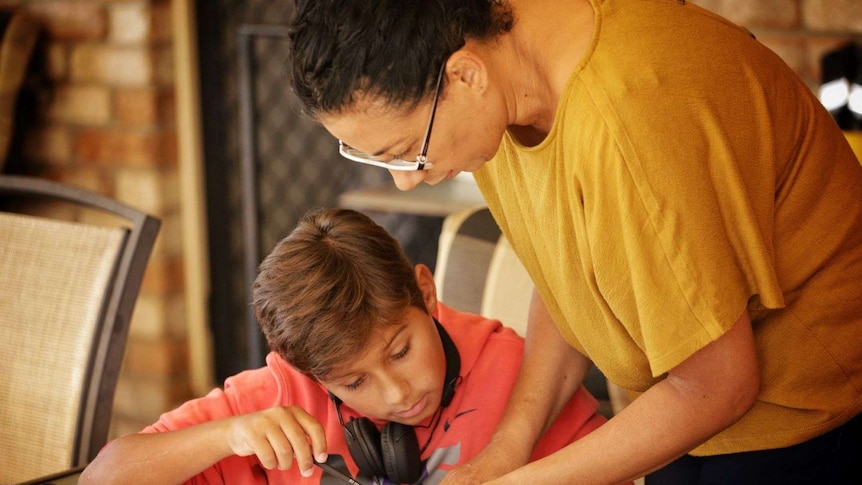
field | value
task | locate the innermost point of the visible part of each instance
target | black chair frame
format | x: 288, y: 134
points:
x: 93, y: 421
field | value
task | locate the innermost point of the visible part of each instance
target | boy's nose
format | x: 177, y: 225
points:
x: 396, y: 391
x: 407, y: 180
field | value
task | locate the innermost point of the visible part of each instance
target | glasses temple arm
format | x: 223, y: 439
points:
x: 424, y: 151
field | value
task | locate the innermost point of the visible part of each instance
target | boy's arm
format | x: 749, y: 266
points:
x: 551, y: 372
x: 167, y: 457
x: 277, y: 436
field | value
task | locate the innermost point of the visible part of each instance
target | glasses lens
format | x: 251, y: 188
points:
x: 350, y: 152
x: 359, y: 156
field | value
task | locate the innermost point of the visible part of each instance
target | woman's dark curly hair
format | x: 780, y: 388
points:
x: 391, y: 49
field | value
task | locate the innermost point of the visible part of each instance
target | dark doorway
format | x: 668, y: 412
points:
x: 291, y: 165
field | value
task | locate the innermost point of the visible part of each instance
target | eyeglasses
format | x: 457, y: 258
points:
x: 421, y: 162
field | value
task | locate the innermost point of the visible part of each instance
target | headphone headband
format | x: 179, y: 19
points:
x: 453, y: 365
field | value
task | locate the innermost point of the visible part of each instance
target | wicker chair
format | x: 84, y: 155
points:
x: 66, y: 296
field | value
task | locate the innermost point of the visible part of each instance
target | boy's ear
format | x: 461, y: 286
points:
x: 425, y: 280
x: 466, y: 68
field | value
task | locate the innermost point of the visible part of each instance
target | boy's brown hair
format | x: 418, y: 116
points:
x: 328, y: 285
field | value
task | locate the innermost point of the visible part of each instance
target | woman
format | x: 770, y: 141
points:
x: 690, y: 214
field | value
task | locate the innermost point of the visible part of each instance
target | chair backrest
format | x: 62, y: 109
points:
x: 466, y: 247
x: 477, y: 270
x: 508, y: 288
x: 67, y: 292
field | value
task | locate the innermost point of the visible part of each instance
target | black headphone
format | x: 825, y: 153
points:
x: 394, y: 452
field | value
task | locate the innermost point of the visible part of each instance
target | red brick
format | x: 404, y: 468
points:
x: 80, y: 105
x: 151, y: 190
x: 791, y: 49
x: 112, y: 65
x: 162, y: 25
x: 163, y: 65
x: 138, y: 148
x: 49, y: 144
x: 71, y: 20
x: 776, y: 14
x: 164, y: 276
x: 150, y: 318
x: 130, y: 23
x: 146, y: 398
x: 833, y: 15
x: 157, y: 358
x: 57, y: 61
x: 144, y: 106
x: 140, y: 22
x: 167, y: 105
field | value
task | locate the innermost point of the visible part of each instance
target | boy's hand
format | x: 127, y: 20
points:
x: 277, y: 436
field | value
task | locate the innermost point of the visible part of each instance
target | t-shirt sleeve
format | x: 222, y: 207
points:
x: 246, y: 392
x: 213, y: 406
x: 676, y: 235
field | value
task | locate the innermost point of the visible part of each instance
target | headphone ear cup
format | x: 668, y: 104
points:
x: 400, y: 450
x: 363, y: 442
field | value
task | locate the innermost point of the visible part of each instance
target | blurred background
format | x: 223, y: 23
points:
x: 182, y: 109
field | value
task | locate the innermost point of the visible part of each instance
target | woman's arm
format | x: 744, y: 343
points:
x: 278, y: 436
x: 703, y: 395
x: 551, y: 372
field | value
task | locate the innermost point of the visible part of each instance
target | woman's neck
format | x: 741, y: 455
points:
x: 537, y: 58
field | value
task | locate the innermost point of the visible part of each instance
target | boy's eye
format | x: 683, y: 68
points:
x: 359, y: 380
x: 355, y: 384
x: 402, y: 353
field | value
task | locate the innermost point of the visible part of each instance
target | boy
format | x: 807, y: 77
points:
x: 371, y: 378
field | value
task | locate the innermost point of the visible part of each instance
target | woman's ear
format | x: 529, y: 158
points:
x: 425, y: 280
x: 466, y: 68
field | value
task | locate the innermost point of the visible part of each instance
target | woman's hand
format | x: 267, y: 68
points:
x: 552, y: 371
x: 278, y: 436
x: 497, y: 459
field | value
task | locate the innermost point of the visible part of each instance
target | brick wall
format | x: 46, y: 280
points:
x: 105, y: 121
x: 800, y: 31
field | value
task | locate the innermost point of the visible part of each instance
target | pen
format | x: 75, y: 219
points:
x: 336, y: 473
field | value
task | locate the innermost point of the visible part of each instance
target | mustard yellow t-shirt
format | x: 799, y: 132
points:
x: 690, y: 175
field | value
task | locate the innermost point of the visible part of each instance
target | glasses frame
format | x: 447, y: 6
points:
x: 398, y: 164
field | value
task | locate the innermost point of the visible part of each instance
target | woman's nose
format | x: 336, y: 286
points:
x: 407, y: 180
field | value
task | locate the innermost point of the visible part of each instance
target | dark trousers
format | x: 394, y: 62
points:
x: 834, y: 458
